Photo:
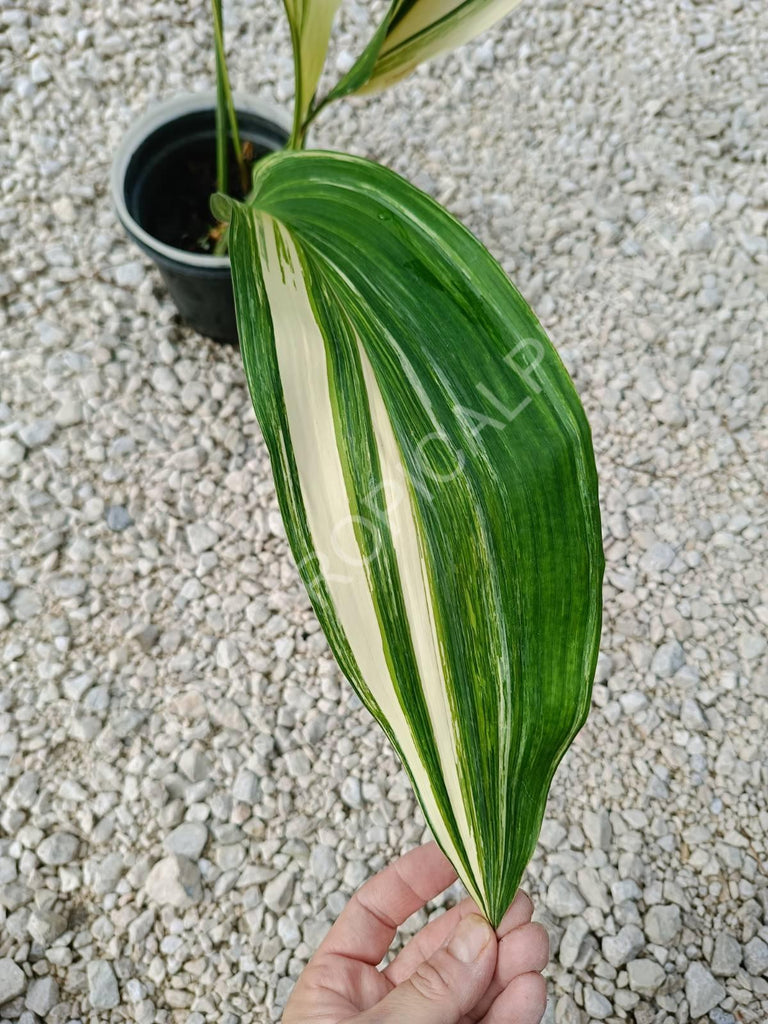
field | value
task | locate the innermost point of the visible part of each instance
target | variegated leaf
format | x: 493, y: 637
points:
x: 435, y: 473
x: 413, y: 31
x: 310, y: 22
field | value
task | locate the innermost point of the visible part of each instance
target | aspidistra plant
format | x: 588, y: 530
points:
x: 432, y: 461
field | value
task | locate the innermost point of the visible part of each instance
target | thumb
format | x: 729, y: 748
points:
x: 445, y: 987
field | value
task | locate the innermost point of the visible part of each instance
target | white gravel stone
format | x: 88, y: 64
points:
x: 702, y: 991
x: 36, y: 433
x: 103, y: 992
x: 596, y: 1004
x: 201, y: 538
x: 692, y: 717
x: 351, y: 792
x: 662, y: 924
x: 38, y: 71
x: 297, y: 763
x: 26, y: 604
x: 567, y: 1012
x: 246, y: 788
x: 141, y: 926
x: 563, y: 898
x: 597, y: 829
x: 42, y: 995
x: 188, y: 839
x: 69, y: 412
x: 322, y: 862
x: 645, y: 977
x: 11, y: 453
x: 45, y: 926
x: 657, y: 558
x: 118, y: 518
x: 572, y: 941
x: 134, y: 990
x: 195, y: 765
x: 756, y: 957
x: 624, y: 946
x: 667, y: 660
x: 129, y: 275
x: 752, y: 646
x: 726, y: 956
x: 75, y: 687
x: 227, y: 654
x: 174, y: 881
x: 13, y: 981
x: 58, y: 848
x: 552, y: 835
x: 278, y: 892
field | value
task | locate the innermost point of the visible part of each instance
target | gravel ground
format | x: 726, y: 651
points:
x: 189, y: 791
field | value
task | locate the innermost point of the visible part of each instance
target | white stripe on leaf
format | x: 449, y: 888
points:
x: 409, y: 550
x: 304, y: 378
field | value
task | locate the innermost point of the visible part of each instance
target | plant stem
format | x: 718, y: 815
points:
x: 225, y: 112
x: 296, y: 140
x: 222, y: 243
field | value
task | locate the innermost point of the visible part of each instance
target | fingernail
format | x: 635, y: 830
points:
x: 470, y: 938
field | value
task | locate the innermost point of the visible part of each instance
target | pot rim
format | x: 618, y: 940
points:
x: 154, y: 117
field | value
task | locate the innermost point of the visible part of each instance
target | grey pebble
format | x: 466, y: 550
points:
x: 726, y: 956
x: 756, y: 957
x: 13, y: 981
x: 45, y: 926
x: 118, y: 518
x: 702, y: 991
x: 662, y: 924
x: 42, y: 995
x: 667, y: 660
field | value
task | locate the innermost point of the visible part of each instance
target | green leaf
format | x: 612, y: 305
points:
x: 435, y: 473
x: 310, y: 22
x: 412, y: 32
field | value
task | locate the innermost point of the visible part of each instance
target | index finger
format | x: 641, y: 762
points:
x: 368, y: 924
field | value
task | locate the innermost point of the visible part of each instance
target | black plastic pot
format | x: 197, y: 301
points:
x: 161, y: 181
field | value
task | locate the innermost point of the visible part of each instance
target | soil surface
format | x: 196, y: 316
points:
x: 176, y: 209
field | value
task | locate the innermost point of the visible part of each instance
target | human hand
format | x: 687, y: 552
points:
x: 454, y: 971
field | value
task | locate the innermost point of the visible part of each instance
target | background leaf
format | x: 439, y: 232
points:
x: 413, y: 31
x: 310, y: 22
